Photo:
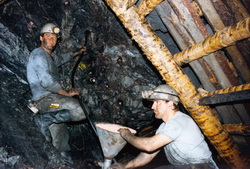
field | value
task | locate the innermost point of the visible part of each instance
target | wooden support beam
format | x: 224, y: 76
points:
x: 230, y: 89
x: 219, y: 40
x: 147, y: 6
x: 182, y: 37
x: 218, y: 15
x: 237, y: 129
x: 214, y: 71
x: 161, y: 58
x: 223, y: 73
x: 225, y: 98
x: 238, y: 9
x: 177, y: 17
x: 130, y: 3
x: 232, y: 94
x: 211, y: 14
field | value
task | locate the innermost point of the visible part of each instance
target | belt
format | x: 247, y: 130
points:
x: 38, y: 100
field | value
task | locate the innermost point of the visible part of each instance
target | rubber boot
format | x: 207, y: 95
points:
x: 44, y: 120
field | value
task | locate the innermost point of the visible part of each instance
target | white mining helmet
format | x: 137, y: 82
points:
x: 50, y: 28
x: 162, y: 92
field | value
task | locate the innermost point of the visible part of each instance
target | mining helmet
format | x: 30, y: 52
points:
x: 162, y: 92
x: 50, y: 28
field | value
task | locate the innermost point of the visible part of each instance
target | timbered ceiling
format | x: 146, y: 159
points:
x: 211, y: 48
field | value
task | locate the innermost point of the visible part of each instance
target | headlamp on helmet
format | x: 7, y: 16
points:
x: 50, y: 28
x: 162, y: 92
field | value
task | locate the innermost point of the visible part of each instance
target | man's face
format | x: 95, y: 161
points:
x: 48, y: 41
x: 160, y: 108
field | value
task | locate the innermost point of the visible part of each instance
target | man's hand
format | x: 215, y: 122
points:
x: 117, y: 166
x: 71, y: 92
x: 125, y: 132
x: 82, y: 50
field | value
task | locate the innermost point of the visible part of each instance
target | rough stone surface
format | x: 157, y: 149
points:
x: 110, y: 78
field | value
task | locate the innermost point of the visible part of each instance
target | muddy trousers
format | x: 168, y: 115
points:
x: 52, y: 126
x: 58, y: 129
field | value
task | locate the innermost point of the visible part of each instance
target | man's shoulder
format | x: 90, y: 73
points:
x: 181, y: 118
x: 38, y: 52
x: 181, y: 114
x: 39, y: 49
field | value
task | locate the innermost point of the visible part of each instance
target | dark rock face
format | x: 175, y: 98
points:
x: 110, y: 78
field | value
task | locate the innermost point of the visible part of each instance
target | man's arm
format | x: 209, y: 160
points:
x: 82, y: 50
x: 71, y: 92
x: 141, y: 160
x: 145, y: 143
x: 68, y: 57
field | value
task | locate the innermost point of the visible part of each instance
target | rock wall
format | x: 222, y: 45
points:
x: 110, y: 77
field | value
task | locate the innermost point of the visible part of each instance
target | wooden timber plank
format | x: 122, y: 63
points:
x: 184, y: 40
x: 238, y: 129
x: 225, y: 98
x: 245, y: 118
x: 130, y: 3
x: 218, y: 14
x: 223, y: 38
x: 238, y: 9
x: 181, y: 36
x: 193, y: 22
x: 230, y: 89
x: 186, y: 20
x: 147, y: 6
x: 246, y: 3
x: 207, y: 77
x: 226, y: 76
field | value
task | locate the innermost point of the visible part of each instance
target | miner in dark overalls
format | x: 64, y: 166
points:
x: 55, y: 104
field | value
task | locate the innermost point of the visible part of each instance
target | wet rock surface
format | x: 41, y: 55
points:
x: 110, y: 78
